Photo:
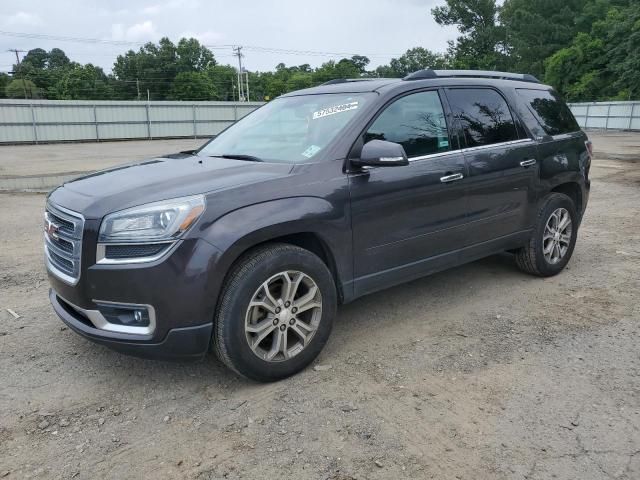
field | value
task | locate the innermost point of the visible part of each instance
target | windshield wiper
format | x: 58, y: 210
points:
x: 233, y: 156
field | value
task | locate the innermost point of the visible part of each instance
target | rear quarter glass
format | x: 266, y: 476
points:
x: 549, y: 110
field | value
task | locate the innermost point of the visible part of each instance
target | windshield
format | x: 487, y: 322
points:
x: 287, y: 130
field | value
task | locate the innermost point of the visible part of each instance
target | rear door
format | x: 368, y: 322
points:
x: 502, y: 164
x: 403, y: 217
x: 562, y: 148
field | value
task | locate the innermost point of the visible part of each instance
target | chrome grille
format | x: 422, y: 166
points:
x: 63, y: 242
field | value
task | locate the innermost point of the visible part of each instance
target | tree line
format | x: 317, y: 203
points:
x: 588, y: 50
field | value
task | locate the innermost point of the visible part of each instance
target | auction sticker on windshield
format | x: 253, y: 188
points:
x: 325, y: 112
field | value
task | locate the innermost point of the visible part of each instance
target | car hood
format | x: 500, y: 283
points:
x: 161, y: 178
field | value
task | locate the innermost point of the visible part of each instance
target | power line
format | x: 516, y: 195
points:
x: 17, y: 52
x: 283, y: 51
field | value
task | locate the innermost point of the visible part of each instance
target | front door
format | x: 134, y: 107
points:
x: 408, y: 220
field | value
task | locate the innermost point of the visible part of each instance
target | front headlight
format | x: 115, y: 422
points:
x: 154, y: 222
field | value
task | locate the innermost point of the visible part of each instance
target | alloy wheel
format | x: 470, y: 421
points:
x: 283, y: 316
x: 557, y: 236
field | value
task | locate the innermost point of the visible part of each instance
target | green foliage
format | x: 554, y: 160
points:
x: 4, y: 81
x: 586, y: 49
x: 20, y: 88
x: 603, y: 63
x: 83, y: 82
x: 192, y: 86
x: 482, y: 44
x: 536, y: 29
x: 413, y: 60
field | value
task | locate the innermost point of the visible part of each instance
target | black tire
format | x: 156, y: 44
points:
x: 531, y: 258
x: 229, y: 339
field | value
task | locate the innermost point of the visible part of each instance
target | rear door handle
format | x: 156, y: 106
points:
x: 451, y: 178
x: 527, y: 163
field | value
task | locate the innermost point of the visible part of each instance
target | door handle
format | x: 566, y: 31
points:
x: 451, y: 178
x: 528, y: 163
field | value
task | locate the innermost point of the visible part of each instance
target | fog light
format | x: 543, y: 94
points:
x: 133, y: 316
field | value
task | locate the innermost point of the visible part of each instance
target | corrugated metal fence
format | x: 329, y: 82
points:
x: 34, y: 121
x: 608, y: 115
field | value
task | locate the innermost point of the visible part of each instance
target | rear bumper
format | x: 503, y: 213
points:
x: 186, y: 343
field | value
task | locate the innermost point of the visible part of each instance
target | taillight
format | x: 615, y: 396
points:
x: 589, y: 148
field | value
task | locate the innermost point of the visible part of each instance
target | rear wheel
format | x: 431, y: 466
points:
x: 276, y: 312
x: 553, y: 240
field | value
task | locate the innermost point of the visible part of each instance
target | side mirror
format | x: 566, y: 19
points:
x: 380, y: 153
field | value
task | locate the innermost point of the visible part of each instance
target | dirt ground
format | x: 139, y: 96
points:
x: 480, y: 372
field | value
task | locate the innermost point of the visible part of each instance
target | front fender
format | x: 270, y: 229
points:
x: 239, y: 230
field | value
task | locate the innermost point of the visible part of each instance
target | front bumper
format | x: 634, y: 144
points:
x: 187, y: 343
x: 180, y: 290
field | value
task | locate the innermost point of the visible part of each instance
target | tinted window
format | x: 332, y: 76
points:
x: 552, y: 113
x: 484, y: 116
x: 416, y: 122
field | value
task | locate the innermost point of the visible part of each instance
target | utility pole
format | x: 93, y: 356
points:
x: 138, y: 87
x: 238, y: 53
x: 247, y: 77
x: 18, y: 52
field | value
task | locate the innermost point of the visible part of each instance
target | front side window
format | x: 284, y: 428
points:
x: 551, y: 112
x: 289, y: 129
x: 416, y: 122
x: 484, y: 116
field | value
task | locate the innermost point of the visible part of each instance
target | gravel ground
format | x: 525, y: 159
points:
x: 480, y: 372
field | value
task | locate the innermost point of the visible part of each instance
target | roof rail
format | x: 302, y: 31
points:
x: 350, y: 80
x: 426, y: 74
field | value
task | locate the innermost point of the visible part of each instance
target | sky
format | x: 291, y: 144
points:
x: 309, y: 32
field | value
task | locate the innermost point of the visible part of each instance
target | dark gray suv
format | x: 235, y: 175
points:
x: 247, y: 245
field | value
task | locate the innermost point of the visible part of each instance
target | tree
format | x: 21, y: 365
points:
x: 44, y: 69
x: 83, y: 82
x: 192, y: 86
x: 223, y: 78
x: 154, y: 67
x: 193, y: 57
x: 20, y: 88
x: 4, y: 81
x: 37, y: 58
x: 482, y: 44
x: 57, y: 59
x: 413, y: 60
x: 298, y: 81
x: 536, y: 29
x: 602, y: 64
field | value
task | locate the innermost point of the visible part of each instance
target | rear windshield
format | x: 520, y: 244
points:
x: 551, y: 112
x: 289, y: 129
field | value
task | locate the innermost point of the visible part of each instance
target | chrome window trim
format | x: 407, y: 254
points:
x: 471, y: 149
x: 101, y: 323
x: 101, y: 258
x: 434, y: 155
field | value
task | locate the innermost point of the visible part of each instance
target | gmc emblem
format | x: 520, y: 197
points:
x: 51, y: 228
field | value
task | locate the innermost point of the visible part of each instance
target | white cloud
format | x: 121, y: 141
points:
x: 23, y: 19
x: 144, y: 31
x: 208, y: 37
x: 158, y: 8
x: 151, y: 9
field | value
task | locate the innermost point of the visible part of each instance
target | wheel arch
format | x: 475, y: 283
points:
x: 315, y: 224
x: 573, y: 191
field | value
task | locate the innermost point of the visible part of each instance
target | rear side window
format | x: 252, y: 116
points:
x: 551, y: 112
x: 416, y: 122
x: 484, y: 116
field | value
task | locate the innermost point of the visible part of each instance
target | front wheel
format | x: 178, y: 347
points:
x: 553, y: 239
x: 276, y: 312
